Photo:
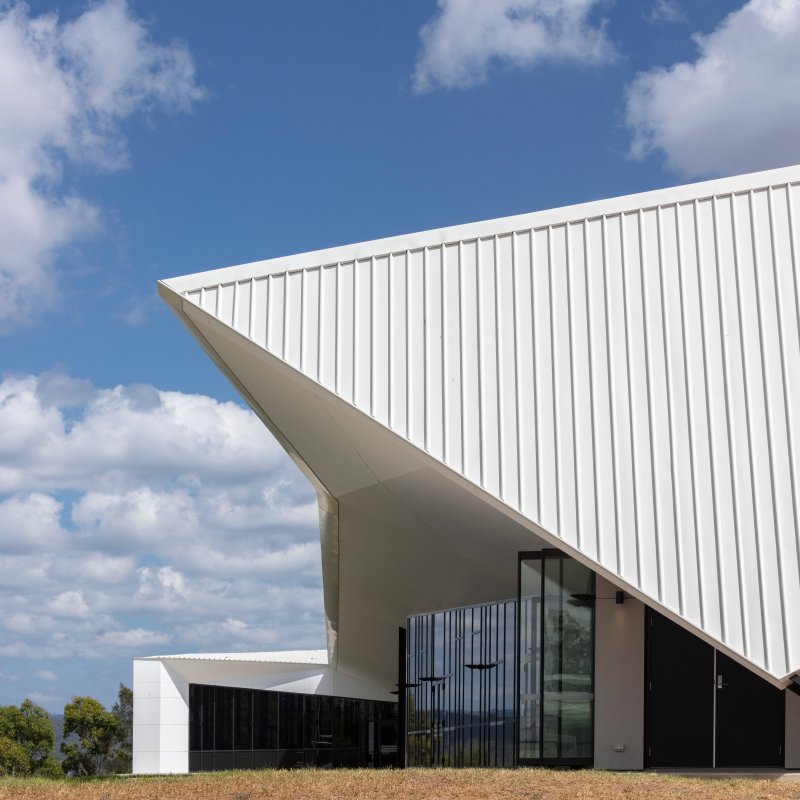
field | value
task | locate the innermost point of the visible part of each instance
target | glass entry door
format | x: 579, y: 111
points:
x: 555, y: 660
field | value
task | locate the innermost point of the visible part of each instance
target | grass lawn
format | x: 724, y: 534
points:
x: 412, y: 784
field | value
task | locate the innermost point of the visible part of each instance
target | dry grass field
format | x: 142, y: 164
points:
x: 429, y: 784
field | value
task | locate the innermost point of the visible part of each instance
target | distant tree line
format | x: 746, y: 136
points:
x: 96, y: 741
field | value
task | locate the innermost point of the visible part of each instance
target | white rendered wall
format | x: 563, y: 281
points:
x: 160, y: 720
x: 161, y: 699
x: 618, y: 680
x: 625, y: 374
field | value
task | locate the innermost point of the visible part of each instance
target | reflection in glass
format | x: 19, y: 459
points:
x: 556, y: 658
x: 530, y: 673
x: 243, y: 728
x: 290, y: 733
x: 461, y: 686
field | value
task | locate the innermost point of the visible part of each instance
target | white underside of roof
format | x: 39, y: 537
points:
x: 623, y: 377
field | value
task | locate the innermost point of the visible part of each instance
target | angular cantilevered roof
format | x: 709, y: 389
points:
x: 619, y: 379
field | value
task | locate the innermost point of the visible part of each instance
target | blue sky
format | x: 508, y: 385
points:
x: 142, y: 508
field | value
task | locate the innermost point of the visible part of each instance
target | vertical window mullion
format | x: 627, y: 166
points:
x: 540, y: 649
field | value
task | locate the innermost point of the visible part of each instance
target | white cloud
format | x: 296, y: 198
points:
x: 665, y: 11
x: 736, y: 107
x: 30, y: 523
x: 40, y: 698
x: 138, y: 309
x: 69, y: 604
x: 468, y: 37
x: 163, y: 583
x: 65, y: 89
x: 45, y: 675
x: 27, y: 623
x: 91, y: 567
x: 134, y: 639
x: 127, y: 436
x: 134, y: 521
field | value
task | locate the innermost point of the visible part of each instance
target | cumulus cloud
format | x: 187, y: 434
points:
x: 69, y: 604
x: 66, y: 87
x: 462, y: 43
x: 30, y: 522
x: 736, y: 107
x: 134, y: 521
x: 134, y: 639
x: 123, y: 437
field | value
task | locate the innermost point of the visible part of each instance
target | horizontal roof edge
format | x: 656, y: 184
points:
x: 300, y: 657
x: 473, y: 230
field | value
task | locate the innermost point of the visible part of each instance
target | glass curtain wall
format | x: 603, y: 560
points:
x: 461, y: 687
x: 251, y: 729
x: 556, y: 660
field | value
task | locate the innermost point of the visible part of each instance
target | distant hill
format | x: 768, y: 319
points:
x: 58, y: 725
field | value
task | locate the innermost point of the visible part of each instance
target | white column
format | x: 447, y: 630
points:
x: 618, y: 681
x: 160, y: 719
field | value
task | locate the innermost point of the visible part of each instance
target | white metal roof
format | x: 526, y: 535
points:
x: 622, y: 377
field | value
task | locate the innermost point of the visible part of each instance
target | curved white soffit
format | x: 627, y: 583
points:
x: 625, y: 374
x: 327, y: 504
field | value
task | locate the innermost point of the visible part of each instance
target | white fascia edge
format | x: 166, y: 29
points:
x: 378, y: 248
x: 310, y: 658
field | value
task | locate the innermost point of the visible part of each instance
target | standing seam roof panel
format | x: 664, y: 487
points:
x: 628, y: 380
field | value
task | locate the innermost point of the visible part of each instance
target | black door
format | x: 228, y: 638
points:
x: 749, y: 718
x: 679, y: 708
x: 687, y: 688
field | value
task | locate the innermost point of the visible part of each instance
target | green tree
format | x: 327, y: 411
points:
x: 13, y: 758
x: 25, y: 731
x: 97, y: 730
x: 50, y: 768
x: 123, y: 710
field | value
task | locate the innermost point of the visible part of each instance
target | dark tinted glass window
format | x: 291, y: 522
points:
x: 245, y: 728
x: 310, y: 720
x: 556, y: 651
x: 223, y: 759
x: 195, y: 717
x: 265, y: 720
x: 345, y: 732
x: 462, y: 686
x: 207, y: 722
x: 323, y: 730
x: 243, y: 719
x: 291, y: 717
x: 223, y: 718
